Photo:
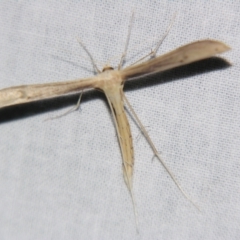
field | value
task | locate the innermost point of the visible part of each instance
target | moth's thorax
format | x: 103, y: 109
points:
x: 107, y: 68
x: 109, y: 80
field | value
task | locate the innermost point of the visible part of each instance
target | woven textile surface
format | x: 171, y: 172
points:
x: 62, y: 179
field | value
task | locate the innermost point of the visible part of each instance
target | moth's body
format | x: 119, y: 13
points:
x: 113, y: 89
x: 111, y: 82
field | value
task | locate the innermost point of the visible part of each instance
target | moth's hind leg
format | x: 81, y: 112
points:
x: 156, y: 152
x: 153, y: 52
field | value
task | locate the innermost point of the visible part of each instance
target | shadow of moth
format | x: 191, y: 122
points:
x: 111, y: 83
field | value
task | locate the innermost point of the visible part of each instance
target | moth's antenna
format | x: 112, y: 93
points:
x: 154, y: 52
x: 127, y: 42
x: 90, y: 56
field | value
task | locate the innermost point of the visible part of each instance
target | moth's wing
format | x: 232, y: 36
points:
x: 181, y: 56
x: 28, y: 93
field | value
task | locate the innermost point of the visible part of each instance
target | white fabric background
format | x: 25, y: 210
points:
x: 62, y: 179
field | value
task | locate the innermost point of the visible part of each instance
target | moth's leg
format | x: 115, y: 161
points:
x: 156, y: 152
x: 127, y: 42
x: 74, y: 108
x: 139, y: 136
x: 153, y: 53
x: 90, y: 56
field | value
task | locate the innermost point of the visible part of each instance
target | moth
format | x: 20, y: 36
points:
x: 111, y: 82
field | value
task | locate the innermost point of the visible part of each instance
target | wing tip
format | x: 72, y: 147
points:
x: 219, y: 46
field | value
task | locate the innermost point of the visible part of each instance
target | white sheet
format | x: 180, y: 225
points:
x: 62, y: 179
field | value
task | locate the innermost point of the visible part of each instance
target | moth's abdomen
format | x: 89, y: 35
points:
x: 115, y: 100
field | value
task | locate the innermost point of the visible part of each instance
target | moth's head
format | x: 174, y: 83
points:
x: 107, y: 68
